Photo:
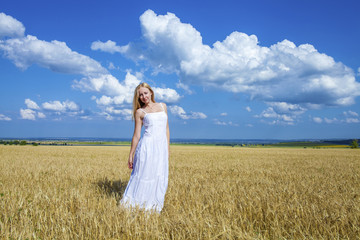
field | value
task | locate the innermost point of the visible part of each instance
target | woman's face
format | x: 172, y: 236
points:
x: 144, y: 95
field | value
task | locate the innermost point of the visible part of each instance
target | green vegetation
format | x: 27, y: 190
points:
x: 354, y: 144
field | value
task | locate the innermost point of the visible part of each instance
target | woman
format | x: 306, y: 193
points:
x: 149, y: 155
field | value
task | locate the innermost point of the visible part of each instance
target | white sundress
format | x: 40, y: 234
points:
x: 149, y: 177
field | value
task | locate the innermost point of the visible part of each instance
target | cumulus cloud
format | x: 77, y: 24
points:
x: 346, y: 117
x: 224, y: 123
x: 31, y: 104
x: 185, y: 87
x: 223, y: 114
x: 351, y: 117
x: 282, y: 72
x: 287, y: 108
x: 109, y: 85
x: 352, y: 120
x: 10, y: 27
x: 25, y: 51
x: 122, y: 93
x: 180, y: 112
x: 281, y: 113
x: 329, y: 120
x: 41, y: 115
x: 317, y: 119
x: 276, y: 118
x: 111, y: 66
x: 54, y: 55
x: 351, y: 113
x: 248, y: 109
x: 125, y: 114
x: 109, y: 46
x: 4, y: 118
x: 58, y: 106
x: 28, y: 114
x: 115, y: 92
x: 166, y: 94
x: 54, y: 109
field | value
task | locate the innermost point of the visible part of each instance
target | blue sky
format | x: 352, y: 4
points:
x: 226, y: 69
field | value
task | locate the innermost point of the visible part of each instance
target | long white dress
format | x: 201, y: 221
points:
x: 149, y: 177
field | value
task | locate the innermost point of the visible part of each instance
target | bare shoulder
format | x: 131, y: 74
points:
x: 163, y: 104
x: 139, y: 113
x: 164, y: 107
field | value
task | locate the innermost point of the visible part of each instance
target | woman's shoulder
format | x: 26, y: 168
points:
x: 140, y: 112
x: 163, y: 105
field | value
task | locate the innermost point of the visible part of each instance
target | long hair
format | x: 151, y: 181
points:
x: 137, y: 103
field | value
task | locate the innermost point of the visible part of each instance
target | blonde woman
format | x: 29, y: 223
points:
x: 149, y: 155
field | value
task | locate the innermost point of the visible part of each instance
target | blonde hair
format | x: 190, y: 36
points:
x: 137, y: 103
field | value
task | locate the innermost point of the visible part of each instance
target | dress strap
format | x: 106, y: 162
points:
x: 162, y: 107
x: 143, y: 110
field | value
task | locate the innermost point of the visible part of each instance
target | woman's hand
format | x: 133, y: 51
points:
x: 130, y: 162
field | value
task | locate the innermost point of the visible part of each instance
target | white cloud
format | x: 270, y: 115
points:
x: 10, y: 27
x: 58, y: 57
x: 109, y: 85
x: 116, y: 92
x: 4, y: 118
x: 111, y: 66
x: 279, y: 118
x: 108, y: 46
x: 351, y: 113
x: 350, y: 117
x: 53, y: 108
x: 287, y: 108
x: 218, y: 122
x: 185, y: 87
x: 31, y: 104
x: 180, y: 112
x: 58, y: 106
x: 282, y: 72
x: 125, y: 113
x: 224, y: 123
x: 166, y: 94
x: 223, y: 114
x: 27, y: 114
x: 317, y: 119
x: 41, y: 115
x: 54, y: 55
x: 333, y: 120
x: 352, y: 120
x: 104, y: 100
x: 122, y: 93
x: 248, y: 109
x: 281, y: 113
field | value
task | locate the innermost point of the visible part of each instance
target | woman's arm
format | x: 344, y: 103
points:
x: 136, y: 137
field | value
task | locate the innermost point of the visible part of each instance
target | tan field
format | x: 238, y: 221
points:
x: 68, y: 192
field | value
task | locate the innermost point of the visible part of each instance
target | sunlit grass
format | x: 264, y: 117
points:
x: 68, y: 192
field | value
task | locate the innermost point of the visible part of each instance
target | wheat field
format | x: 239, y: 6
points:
x: 72, y: 192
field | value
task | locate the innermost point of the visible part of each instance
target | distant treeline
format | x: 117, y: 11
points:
x: 340, y: 142
x: 17, y: 142
x: 24, y: 142
x: 353, y: 143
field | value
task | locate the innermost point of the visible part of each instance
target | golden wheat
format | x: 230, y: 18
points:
x: 67, y: 192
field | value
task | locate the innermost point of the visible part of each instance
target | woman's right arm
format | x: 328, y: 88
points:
x: 135, y: 138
